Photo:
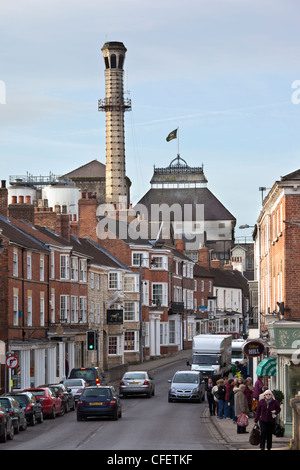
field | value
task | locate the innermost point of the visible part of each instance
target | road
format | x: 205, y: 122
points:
x: 146, y: 424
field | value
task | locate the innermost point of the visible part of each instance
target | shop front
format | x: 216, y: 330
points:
x: 285, y: 345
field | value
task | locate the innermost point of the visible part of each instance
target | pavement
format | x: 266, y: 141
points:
x: 223, y: 430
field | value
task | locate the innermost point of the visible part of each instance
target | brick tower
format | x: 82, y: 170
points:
x: 114, y: 106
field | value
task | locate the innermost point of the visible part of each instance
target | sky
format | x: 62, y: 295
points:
x: 221, y: 71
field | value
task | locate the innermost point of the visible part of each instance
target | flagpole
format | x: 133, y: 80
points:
x: 177, y: 140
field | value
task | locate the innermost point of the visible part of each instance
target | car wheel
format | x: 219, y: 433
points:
x: 3, y: 436
x: 33, y: 420
x: 24, y: 427
x: 115, y: 416
x: 41, y: 418
x: 62, y: 409
x: 79, y: 418
x: 11, y: 434
x: 52, y: 415
x: 17, y: 428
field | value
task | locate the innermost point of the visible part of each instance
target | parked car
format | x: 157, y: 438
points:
x: 52, y: 405
x: 16, y: 413
x: 33, y: 408
x: 76, y: 386
x: 92, y: 375
x: 137, y: 383
x: 187, y: 385
x: 65, y: 394
x: 6, y: 425
x: 99, y: 401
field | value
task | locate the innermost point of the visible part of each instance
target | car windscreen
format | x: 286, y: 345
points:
x: 5, y: 402
x: 186, y: 378
x: 135, y: 376
x: 21, y: 398
x: 73, y: 383
x: 204, y: 359
x: 84, y: 374
x: 38, y: 393
x: 97, y: 392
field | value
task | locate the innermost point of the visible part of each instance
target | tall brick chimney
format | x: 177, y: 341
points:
x: 87, y: 223
x: 3, y: 199
x: 204, y: 257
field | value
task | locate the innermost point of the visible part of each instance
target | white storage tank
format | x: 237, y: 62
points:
x: 21, y: 194
x: 64, y: 196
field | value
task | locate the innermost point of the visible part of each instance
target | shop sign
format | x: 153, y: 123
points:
x: 254, y: 348
x: 114, y: 317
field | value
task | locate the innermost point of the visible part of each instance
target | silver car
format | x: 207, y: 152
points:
x: 137, y: 383
x: 76, y: 386
x: 187, y: 385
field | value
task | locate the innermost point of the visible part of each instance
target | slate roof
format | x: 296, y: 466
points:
x: 93, y: 169
x: 19, y: 237
x: 213, y: 208
x: 96, y: 253
x: 200, y: 271
x: 229, y: 278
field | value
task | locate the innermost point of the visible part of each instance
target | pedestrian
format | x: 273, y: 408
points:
x: 258, y: 386
x: 262, y: 395
x: 240, y: 406
x: 244, y: 370
x: 240, y: 380
x: 215, y: 392
x: 231, y: 401
x: 221, y: 398
x: 250, y: 384
x: 210, y: 397
x: 267, y: 410
x: 227, y: 411
x: 235, y: 368
x: 248, y: 392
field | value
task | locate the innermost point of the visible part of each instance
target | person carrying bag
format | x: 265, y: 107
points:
x: 267, y: 410
x: 241, y: 409
x: 254, y: 438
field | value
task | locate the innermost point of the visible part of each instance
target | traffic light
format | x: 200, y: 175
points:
x: 91, y: 340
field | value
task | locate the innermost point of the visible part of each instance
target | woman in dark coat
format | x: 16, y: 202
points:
x: 267, y: 410
x: 210, y: 397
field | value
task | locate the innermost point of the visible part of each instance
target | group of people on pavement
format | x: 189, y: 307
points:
x: 233, y: 398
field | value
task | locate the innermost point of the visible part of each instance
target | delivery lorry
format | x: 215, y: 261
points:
x: 212, y: 355
x: 237, y: 353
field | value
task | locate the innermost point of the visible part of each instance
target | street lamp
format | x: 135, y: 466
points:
x: 152, y: 263
x: 246, y: 226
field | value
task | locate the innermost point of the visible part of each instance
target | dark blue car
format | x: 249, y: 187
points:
x: 98, y: 402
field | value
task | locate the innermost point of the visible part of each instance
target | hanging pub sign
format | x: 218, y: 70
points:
x: 254, y: 349
x: 114, y: 317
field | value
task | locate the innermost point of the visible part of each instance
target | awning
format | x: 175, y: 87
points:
x: 267, y: 367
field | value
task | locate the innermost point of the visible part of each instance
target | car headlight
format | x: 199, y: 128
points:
x: 196, y: 389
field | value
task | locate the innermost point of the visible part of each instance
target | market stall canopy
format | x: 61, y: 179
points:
x: 267, y: 367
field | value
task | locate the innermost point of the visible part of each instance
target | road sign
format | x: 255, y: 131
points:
x: 12, y: 362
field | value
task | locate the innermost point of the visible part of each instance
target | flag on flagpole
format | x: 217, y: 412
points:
x: 172, y: 135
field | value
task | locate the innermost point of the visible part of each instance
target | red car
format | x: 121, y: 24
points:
x: 51, y: 404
